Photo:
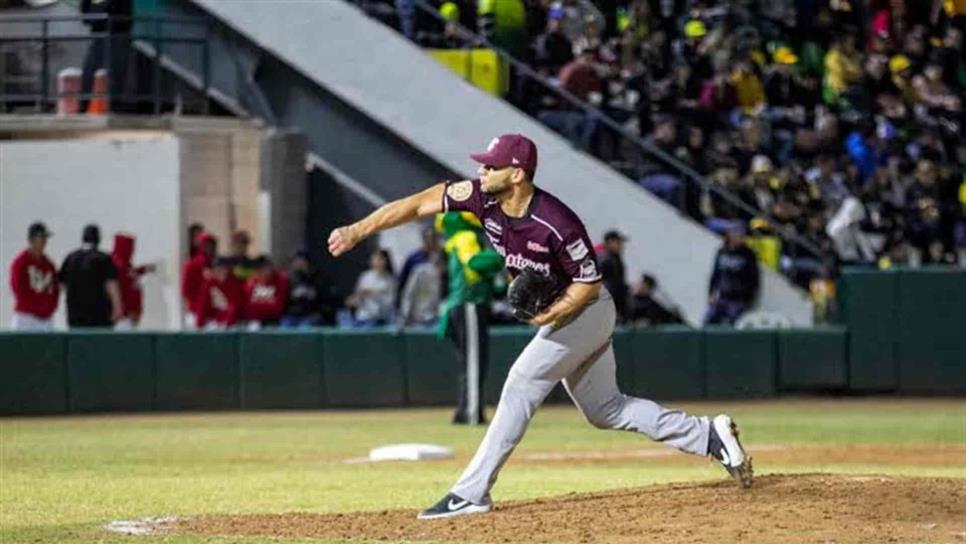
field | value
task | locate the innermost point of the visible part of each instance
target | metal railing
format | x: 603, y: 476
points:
x: 121, y: 37
x: 795, y: 244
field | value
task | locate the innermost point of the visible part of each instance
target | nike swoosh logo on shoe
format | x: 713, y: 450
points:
x: 453, y: 505
x: 725, y: 458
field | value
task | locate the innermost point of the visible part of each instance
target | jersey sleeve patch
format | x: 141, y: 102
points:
x: 577, y: 250
x: 460, y: 191
x: 588, y: 271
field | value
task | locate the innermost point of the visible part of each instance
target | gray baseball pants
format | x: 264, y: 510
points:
x: 582, y: 355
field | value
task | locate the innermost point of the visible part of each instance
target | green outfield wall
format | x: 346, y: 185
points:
x: 902, y: 332
x: 907, y: 330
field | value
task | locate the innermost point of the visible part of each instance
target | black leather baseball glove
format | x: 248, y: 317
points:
x: 529, y: 294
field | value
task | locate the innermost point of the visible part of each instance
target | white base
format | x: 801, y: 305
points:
x: 410, y: 452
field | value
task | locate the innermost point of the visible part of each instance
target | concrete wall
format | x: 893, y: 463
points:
x: 124, y: 183
x: 371, y: 68
x: 220, y: 175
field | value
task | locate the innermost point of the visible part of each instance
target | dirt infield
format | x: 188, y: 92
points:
x: 815, y: 508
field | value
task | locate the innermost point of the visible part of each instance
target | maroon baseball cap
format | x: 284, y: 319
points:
x: 510, y: 150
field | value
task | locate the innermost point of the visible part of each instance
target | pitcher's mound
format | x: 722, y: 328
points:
x: 815, y: 508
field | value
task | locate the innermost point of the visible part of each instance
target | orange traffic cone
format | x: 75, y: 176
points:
x: 98, y: 103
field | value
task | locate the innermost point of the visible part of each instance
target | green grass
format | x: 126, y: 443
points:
x: 62, y: 478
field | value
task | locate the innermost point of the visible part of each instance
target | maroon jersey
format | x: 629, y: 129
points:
x: 549, y: 239
x: 33, y: 281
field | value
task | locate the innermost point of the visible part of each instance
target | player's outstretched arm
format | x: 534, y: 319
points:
x: 397, y: 212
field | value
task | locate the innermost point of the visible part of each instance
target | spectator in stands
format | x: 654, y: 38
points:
x: 193, y: 275
x: 113, y: 19
x: 734, y: 280
x: 612, y: 270
x: 242, y: 265
x: 749, y: 91
x: 194, y: 230
x: 950, y: 56
x: 219, y: 302
x: 33, y: 281
x: 128, y: 281
x: 504, y: 24
x: 580, y: 77
x: 852, y: 243
x: 265, y: 295
x: 451, y: 36
x: 372, y: 299
x: 430, y: 246
x: 797, y: 83
x: 307, y: 295
x: 764, y: 242
x: 719, y: 95
x: 552, y: 49
x: 422, y: 293
x: 651, y: 306
x: 843, y: 68
x: 657, y: 176
x: 581, y: 20
x: 90, y: 277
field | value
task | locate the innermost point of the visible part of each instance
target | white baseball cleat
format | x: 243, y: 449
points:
x: 724, y: 446
x: 453, y: 505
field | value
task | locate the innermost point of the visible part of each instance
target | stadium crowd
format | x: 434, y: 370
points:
x: 837, y: 120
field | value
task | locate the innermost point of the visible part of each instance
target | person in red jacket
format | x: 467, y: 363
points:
x: 33, y: 280
x: 193, y: 274
x: 266, y: 294
x: 219, y: 298
x: 128, y: 280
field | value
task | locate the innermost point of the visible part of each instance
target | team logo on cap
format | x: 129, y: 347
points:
x: 460, y: 191
x: 493, y: 143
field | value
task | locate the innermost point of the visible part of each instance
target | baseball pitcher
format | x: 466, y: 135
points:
x: 545, y: 246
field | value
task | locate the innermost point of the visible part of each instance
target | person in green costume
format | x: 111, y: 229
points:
x: 465, y: 316
x: 504, y: 23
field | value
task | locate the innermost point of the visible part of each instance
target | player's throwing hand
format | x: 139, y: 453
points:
x: 342, y: 240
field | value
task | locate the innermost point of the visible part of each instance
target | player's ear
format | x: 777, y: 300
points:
x: 518, y: 175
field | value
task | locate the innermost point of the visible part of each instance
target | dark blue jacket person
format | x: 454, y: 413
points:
x: 735, y: 280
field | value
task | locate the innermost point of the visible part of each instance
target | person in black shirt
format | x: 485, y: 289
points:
x: 734, y: 280
x: 117, y: 31
x: 90, y: 277
x: 612, y: 270
x: 552, y: 49
x: 307, y: 299
x: 651, y: 307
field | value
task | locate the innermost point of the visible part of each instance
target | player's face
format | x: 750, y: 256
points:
x: 495, y: 180
x: 38, y: 243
